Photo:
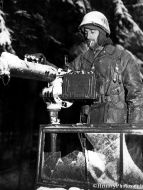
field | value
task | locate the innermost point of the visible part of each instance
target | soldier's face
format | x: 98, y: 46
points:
x: 91, y: 37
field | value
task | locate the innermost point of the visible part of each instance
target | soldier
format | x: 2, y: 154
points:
x: 122, y: 84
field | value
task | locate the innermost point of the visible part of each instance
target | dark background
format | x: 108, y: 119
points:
x: 49, y: 27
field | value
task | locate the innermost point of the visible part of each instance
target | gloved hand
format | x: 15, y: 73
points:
x: 135, y: 114
x: 84, y: 113
x: 53, y: 91
x: 51, y: 94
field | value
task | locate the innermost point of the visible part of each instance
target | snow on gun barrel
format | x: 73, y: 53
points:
x: 12, y: 65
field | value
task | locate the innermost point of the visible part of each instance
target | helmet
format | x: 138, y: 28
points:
x: 95, y: 18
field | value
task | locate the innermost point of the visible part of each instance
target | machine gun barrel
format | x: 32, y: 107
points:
x: 12, y: 65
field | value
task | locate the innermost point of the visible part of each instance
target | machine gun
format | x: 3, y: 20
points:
x: 63, y: 86
x: 32, y: 67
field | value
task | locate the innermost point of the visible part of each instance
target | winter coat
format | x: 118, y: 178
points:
x: 122, y: 84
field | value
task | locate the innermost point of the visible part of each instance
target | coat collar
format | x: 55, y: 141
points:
x: 108, y: 49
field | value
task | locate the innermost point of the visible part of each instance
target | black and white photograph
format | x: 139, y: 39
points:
x: 71, y: 94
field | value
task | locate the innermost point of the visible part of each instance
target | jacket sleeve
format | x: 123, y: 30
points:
x: 75, y: 65
x: 134, y: 88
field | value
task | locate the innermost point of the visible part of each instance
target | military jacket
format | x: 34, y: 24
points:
x: 123, y: 87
